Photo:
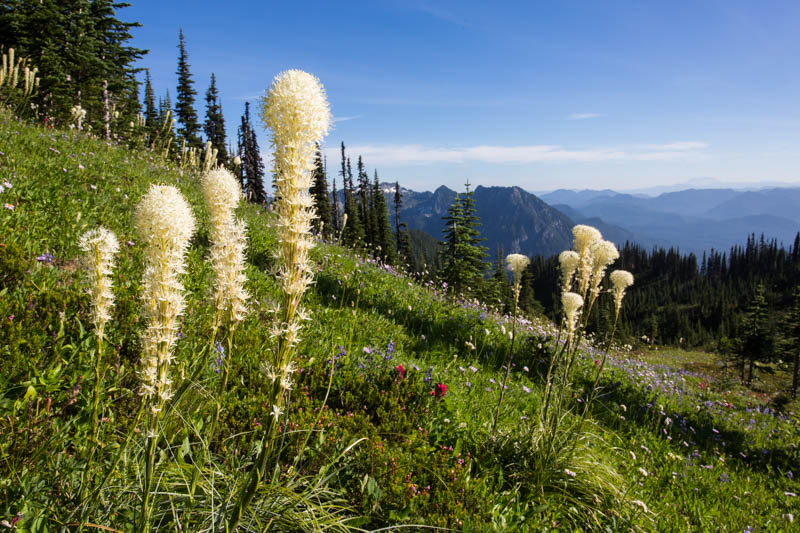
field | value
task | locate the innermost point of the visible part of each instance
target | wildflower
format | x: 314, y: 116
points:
x: 401, y: 371
x: 640, y: 504
x: 603, y: 254
x: 296, y: 110
x: 517, y: 263
x: 8, y: 206
x: 621, y: 280
x: 569, y: 472
x: 571, y: 302
x: 585, y: 237
x: 526, y: 389
x: 165, y: 224
x: 568, y: 260
x: 643, y: 472
x: 100, y: 246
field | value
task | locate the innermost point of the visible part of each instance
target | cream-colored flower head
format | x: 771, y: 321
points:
x: 296, y: 107
x: 296, y: 110
x: 222, y: 193
x: 620, y: 280
x: 603, y: 254
x: 517, y: 263
x: 571, y: 302
x: 165, y: 224
x: 568, y: 260
x: 100, y: 246
x: 585, y: 237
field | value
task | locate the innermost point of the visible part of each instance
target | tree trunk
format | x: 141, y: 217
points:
x: 106, y: 110
x: 795, y: 374
x: 750, y: 373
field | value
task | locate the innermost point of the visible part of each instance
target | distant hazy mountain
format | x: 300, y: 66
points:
x: 510, y: 216
x: 610, y: 232
x: 693, y: 220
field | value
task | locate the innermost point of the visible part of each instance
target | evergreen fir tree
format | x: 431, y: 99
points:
x: 319, y: 192
x: 756, y: 342
x: 335, y: 209
x: 252, y: 167
x: 364, y: 205
x: 214, y: 126
x: 185, y: 114
x: 79, y: 47
x: 463, y: 261
x: 383, y: 232
x: 150, y: 111
x: 353, y: 234
x: 791, y: 344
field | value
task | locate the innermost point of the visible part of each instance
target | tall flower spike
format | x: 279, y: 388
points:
x: 165, y: 224
x: 568, y: 260
x: 100, y: 246
x: 296, y: 110
x: 585, y: 237
x: 620, y: 280
x: 571, y: 303
x: 517, y: 263
x: 603, y: 254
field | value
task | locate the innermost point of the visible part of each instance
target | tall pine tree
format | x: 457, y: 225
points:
x: 150, y: 111
x: 319, y: 192
x: 185, y: 114
x: 463, y: 254
x: 383, y: 233
x: 214, y: 126
x: 252, y: 168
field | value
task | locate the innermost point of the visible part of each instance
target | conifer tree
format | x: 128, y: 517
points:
x: 150, y: 111
x: 185, y: 114
x: 403, y: 243
x: 463, y: 261
x: 365, y: 213
x: 319, y: 192
x: 383, y: 232
x: 353, y: 234
x: 792, y: 340
x: 252, y: 167
x: 214, y: 126
x: 335, y: 209
x: 756, y: 342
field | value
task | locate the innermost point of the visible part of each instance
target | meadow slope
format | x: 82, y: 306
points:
x: 412, y: 371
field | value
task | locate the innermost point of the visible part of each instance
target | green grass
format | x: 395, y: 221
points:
x: 722, y: 464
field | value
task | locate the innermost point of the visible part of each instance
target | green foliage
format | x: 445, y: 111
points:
x: 319, y: 192
x: 214, y: 126
x: 78, y: 45
x: 462, y: 254
x: 185, y: 113
x: 722, y: 462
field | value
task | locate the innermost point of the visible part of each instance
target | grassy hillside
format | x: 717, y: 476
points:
x: 662, y: 449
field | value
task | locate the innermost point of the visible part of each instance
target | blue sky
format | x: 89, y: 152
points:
x: 538, y: 94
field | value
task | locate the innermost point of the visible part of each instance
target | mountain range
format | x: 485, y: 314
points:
x: 692, y: 220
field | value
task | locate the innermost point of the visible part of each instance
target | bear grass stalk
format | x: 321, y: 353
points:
x: 222, y: 193
x: 296, y: 110
x: 165, y: 224
x: 516, y: 263
x: 99, y: 246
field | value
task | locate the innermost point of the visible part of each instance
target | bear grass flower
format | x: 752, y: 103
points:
x: 165, y: 224
x: 568, y: 260
x: 571, y: 303
x: 296, y: 110
x: 620, y: 280
x: 100, y: 246
x: 603, y: 254
x: 585, y: 237
x: 222, y: 193
x: 517, y: 263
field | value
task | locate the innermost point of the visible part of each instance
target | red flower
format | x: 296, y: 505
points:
x: 400, y: 371
x: 441, y: 390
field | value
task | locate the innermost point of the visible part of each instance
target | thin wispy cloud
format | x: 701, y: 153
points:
x: 345, y: 119
x: 583, y: 116
x: 415, y: 154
